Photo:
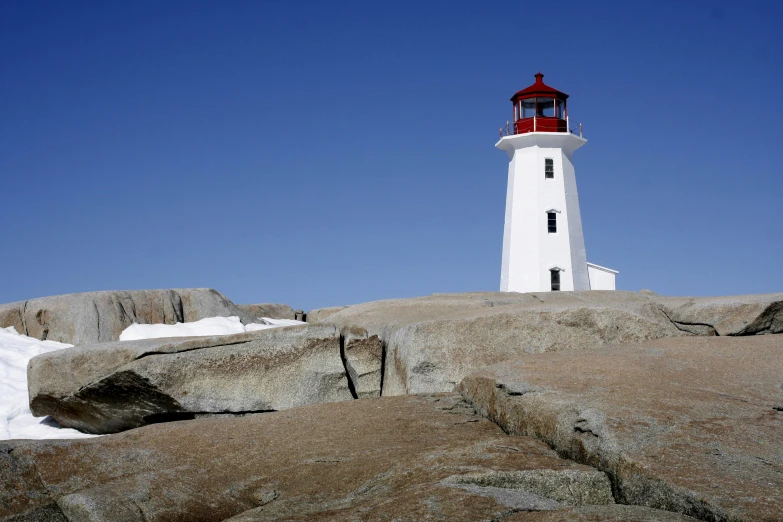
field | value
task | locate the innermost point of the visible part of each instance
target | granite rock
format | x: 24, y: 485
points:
x: 431, y: 343
x: 320, y: 314
x: 690, y: 425
x: 271, y: 310
x: 728, y: 315
x: 110, y: 387
x: 363, y: 358
x: 401, y: 458
x: 95, y: 317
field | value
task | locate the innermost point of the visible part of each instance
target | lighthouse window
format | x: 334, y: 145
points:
x: 560, y: 109
x: 549, y: 168
x: 551, y: 222
x: 554, y: 278
x: 528, y: 107
x: 546, y: 107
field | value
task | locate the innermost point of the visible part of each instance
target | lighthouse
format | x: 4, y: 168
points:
x: 543, y: 242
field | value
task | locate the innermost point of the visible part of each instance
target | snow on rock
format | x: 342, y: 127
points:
x: 208, y: 326
x: 271, y: 323
x: 16, y: 421
x: 16, y: 350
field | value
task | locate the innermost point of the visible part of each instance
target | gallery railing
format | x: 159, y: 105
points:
x: 543, y: 124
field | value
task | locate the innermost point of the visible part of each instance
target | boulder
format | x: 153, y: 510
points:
x: 431, y: 343
x: 110, y: 387
x: 12, y: 315
x: 96, y: 317
x: 363, y: 357
x: 319, y: 315
x: 270, y: 310
x: 402, y: 458
x: 730, y: 315
x: 692, y: 425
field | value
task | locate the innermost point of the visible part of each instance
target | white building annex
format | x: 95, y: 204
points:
x: 543, y: 242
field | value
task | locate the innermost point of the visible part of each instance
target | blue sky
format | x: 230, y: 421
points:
x: 326, y: 153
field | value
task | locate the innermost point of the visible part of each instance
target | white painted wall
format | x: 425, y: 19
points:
x: 601, y: 278
x: 529, y: 250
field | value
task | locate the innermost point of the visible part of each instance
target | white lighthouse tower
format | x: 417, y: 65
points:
x: 543, y: 243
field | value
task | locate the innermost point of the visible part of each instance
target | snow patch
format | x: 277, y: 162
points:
x: 208, y: 326
x: 16, y: 420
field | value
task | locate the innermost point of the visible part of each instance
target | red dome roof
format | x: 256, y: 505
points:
x: 539, y: 88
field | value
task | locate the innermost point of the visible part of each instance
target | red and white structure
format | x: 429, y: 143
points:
x: 543, y: 242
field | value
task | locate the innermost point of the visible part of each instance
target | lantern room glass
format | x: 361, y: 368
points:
x: 528, y: 107
x: 544, y: 107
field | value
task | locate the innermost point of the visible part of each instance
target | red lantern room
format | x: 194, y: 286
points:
x: 540, y: 108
